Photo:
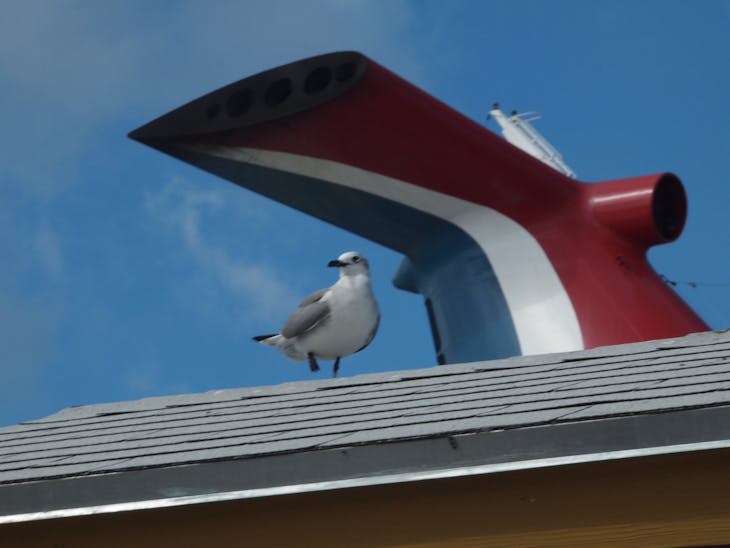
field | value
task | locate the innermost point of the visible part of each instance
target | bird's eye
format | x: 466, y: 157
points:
x: 356, y: 259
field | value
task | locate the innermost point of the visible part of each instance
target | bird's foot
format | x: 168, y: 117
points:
x: 336, y: 367
x: 313, y: 365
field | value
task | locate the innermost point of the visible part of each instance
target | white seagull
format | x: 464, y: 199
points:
x: 333, y: 322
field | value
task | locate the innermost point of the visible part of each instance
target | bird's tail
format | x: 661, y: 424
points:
x: 264, y: 338
x: 287, y: 346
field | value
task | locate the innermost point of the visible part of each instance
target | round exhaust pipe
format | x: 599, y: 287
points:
x: 646, y: 211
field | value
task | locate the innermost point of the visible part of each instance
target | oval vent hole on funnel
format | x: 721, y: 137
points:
x: 317, y: 80
x: 239, y: 103
x: 345, y: 71
x: 278, y: 92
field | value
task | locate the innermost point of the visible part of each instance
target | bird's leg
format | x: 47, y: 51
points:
x: 336, y: 368
x: 313, y: 365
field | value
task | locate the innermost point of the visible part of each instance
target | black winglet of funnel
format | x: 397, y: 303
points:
x: 266, y: 96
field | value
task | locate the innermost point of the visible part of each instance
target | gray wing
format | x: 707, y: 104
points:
x: 314, y: 297
x: 310, y: 312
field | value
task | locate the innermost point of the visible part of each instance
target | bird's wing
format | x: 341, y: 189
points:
x: 314, y: 297
x: 312, y: 311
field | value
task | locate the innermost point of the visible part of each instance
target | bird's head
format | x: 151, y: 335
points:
x: 351, y: 263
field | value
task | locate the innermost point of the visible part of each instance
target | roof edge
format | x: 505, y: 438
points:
x: 451, y: 457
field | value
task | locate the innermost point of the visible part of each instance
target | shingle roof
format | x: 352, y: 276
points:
x: 604, y: 401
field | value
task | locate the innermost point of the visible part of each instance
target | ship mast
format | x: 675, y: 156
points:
x: 517, y: 130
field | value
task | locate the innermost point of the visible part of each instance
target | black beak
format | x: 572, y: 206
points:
x: 336, y: 263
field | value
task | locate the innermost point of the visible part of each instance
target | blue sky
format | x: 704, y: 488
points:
x: 127, y: 274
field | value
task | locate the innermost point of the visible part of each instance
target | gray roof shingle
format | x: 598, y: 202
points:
x: 542, y: 402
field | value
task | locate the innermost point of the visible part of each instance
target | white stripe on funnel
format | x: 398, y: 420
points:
x: 543, y: 315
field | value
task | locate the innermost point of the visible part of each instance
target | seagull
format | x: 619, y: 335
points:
x: 333, y: 322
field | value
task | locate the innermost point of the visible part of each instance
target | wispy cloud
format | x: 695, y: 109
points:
x: 148, y: 378
x: 183, y: 208
x: 28, y: 340
x: 47, y: 247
